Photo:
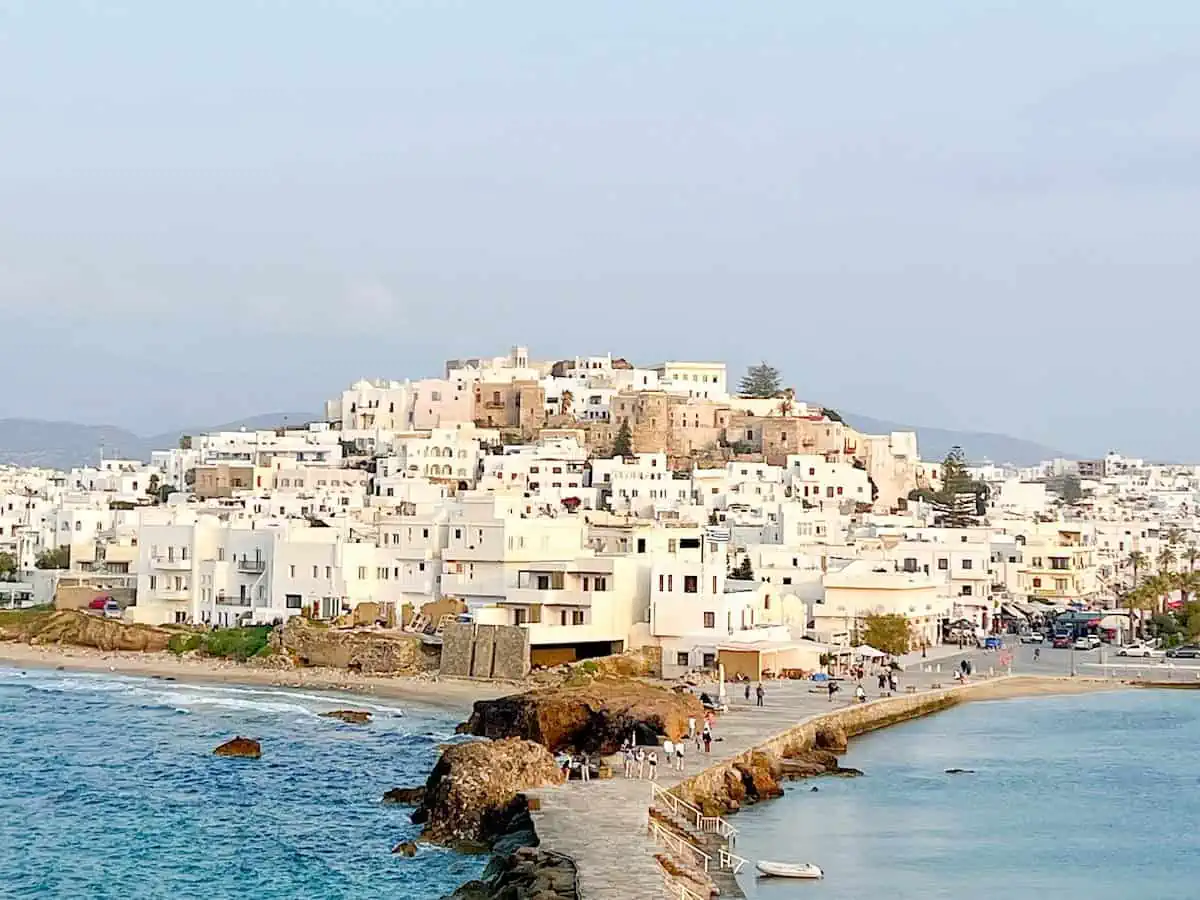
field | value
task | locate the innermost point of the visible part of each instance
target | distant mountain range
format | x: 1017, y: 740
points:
x: 934, y: 443
x: 62, y: 445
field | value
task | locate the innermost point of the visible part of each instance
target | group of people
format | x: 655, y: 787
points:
x: 578, y: 763
x: 888, y: 681
x: 964, y: 671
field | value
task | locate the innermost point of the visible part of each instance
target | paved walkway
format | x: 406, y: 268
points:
x: 602, y: 824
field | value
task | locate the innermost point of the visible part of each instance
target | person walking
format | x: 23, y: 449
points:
x: 747, y: 691
x: 759, y: 693
x: 653, y: 766
x: 641, y: 763
x: 833, y: 689
x: 668, y: 751
x: 679, y: 756
x: 893, y: 681
x: 627, y: 758
x: 707, y: 735
x: 860, y: 695
x: 585, y: 773
x: 691, y: 726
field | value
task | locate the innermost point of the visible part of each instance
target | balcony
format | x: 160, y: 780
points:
x: 230, y: 600
x: 173, y: 594
x: 252, y: 566
x: 535, y: 597
x: 172, y: 564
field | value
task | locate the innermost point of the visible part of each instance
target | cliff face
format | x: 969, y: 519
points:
x: 71, y: 626
x: 369, y: 652
x: 593, y: 717
x: 474, y: 792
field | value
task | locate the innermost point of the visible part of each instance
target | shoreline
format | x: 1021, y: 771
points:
x: 450, y: 695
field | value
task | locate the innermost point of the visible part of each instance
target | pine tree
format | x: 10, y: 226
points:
x: 743, y: 570
x: 761, y: 381
x: 958, y: 502
x: 623, y: 443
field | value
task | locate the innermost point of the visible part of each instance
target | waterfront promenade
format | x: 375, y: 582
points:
x: 602, y: 825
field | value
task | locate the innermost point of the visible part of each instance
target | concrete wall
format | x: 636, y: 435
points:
x: 485, y: 651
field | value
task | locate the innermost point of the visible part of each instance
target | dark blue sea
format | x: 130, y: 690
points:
x: 1087, y: 797
x: 110, y: 790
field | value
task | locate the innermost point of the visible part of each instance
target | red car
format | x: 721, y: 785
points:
x: 99, y: 602
x: 1062, y: 641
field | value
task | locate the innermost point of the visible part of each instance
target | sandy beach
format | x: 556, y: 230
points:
x: 449, y: 694
x: 1015, y: 686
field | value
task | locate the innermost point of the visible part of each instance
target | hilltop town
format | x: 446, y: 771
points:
x: 598, y: 506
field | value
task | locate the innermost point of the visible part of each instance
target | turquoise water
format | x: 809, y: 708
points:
x: 110, y: 790
x: 1091, y: 796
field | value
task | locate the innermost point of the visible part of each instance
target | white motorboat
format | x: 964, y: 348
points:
x: 789, y: 870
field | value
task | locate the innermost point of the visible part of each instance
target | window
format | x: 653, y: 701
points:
x: 967, y: 563
x: 362, y: 573
x: 672, y: 545
x: 600, y: 583
x: 641, y: 545
x: 1037, y: 562
x: 292, y: 601
x: 1060, y: 584
x: 691, y: 584
x: 520, y: 617
x: 316, y: 572
x: 670, y: 583
x: 662, y: 582
x: 689, y: 543
x: 787, y: 579
x: 1037, y: 582
x: 714, y: 584
x: 577, y: 617
x: 681, y: 658
x: 943, y: 565
x: 562, y: 617
x: 458, y: 534
x: 153, y: 582
x: 966, y: 590
x: 910, y: 564
x: 710, y: 620
x: 328, y: 571
x: 710, y: 660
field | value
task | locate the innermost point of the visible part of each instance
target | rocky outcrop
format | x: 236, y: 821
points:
x: 475, y: 790
x: 349, y: 716
x: 527, y: 874
x: 367, y: 651
x: 405, y: 796
x: 405, y: 848
x: 240, y: 746
x: 594, y: 717
x: 71, y: 626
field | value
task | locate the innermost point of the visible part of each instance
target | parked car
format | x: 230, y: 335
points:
x: 1093, y: 641
x: 1187, y: 651
x: 1062, y: 641
x: 1084, y: 644
x: 1146, y: 651
x: 1032, y: 637
x: 112, y: 609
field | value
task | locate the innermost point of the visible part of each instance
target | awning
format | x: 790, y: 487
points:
x: 866, y: 651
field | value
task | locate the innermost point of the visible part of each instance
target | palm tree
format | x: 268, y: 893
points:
x: 1165, y: 559
x: 1175, y: 535
x: 1192, y: 554
x: 1138, y: 599
x: 1137, y: 561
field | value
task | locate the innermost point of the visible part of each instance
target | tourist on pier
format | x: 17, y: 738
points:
x: 653, y: 766
x: 860, y: 695
x: 759, y: 693
x: 833, y: 689
x: 883, y: 682
x: 641, y: 763
x: 668, y: 750
x: 627, y: 759
x: 707, y: 736
x: 585, y: 773
x: 747, y: 691
x: 679, y: 756
x: 893, y: 682
x: 691, y: 726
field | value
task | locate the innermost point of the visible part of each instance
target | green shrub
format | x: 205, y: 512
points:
x: 185, y: 642
x: 236, y: 643
x: 590, y: 667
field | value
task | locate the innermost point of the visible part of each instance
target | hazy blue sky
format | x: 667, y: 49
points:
x: 949, y: 213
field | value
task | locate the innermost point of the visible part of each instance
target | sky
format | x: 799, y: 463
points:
x: 968, y: 215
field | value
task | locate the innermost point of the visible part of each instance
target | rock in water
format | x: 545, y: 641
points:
x: 405, y: 848
x: 240, y: 746
x: 960, y: 771
x: 475, y: 787
x: 405, y: 796
x: 350, y: 716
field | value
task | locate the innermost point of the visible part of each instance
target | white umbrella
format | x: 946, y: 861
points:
x: 866, y: 651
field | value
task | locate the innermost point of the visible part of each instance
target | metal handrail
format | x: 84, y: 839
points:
x: 680, y: 890
x: 702, y: 823
x: 678, y: 844
x: 732, y: 861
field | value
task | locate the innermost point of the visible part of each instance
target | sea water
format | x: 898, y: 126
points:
x: 109, y: 789
x: 1088, y: 796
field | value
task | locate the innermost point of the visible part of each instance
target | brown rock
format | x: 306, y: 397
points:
x: 405, y: 796
x: 405, y: 848
x: 366, y: 651
x: 475, y: 788
x: 240, y: 746
x: 71, y: 626
x: 595, y: 717
x: 760, y: 775
x: 831, y: 738
x: 350, y: 716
